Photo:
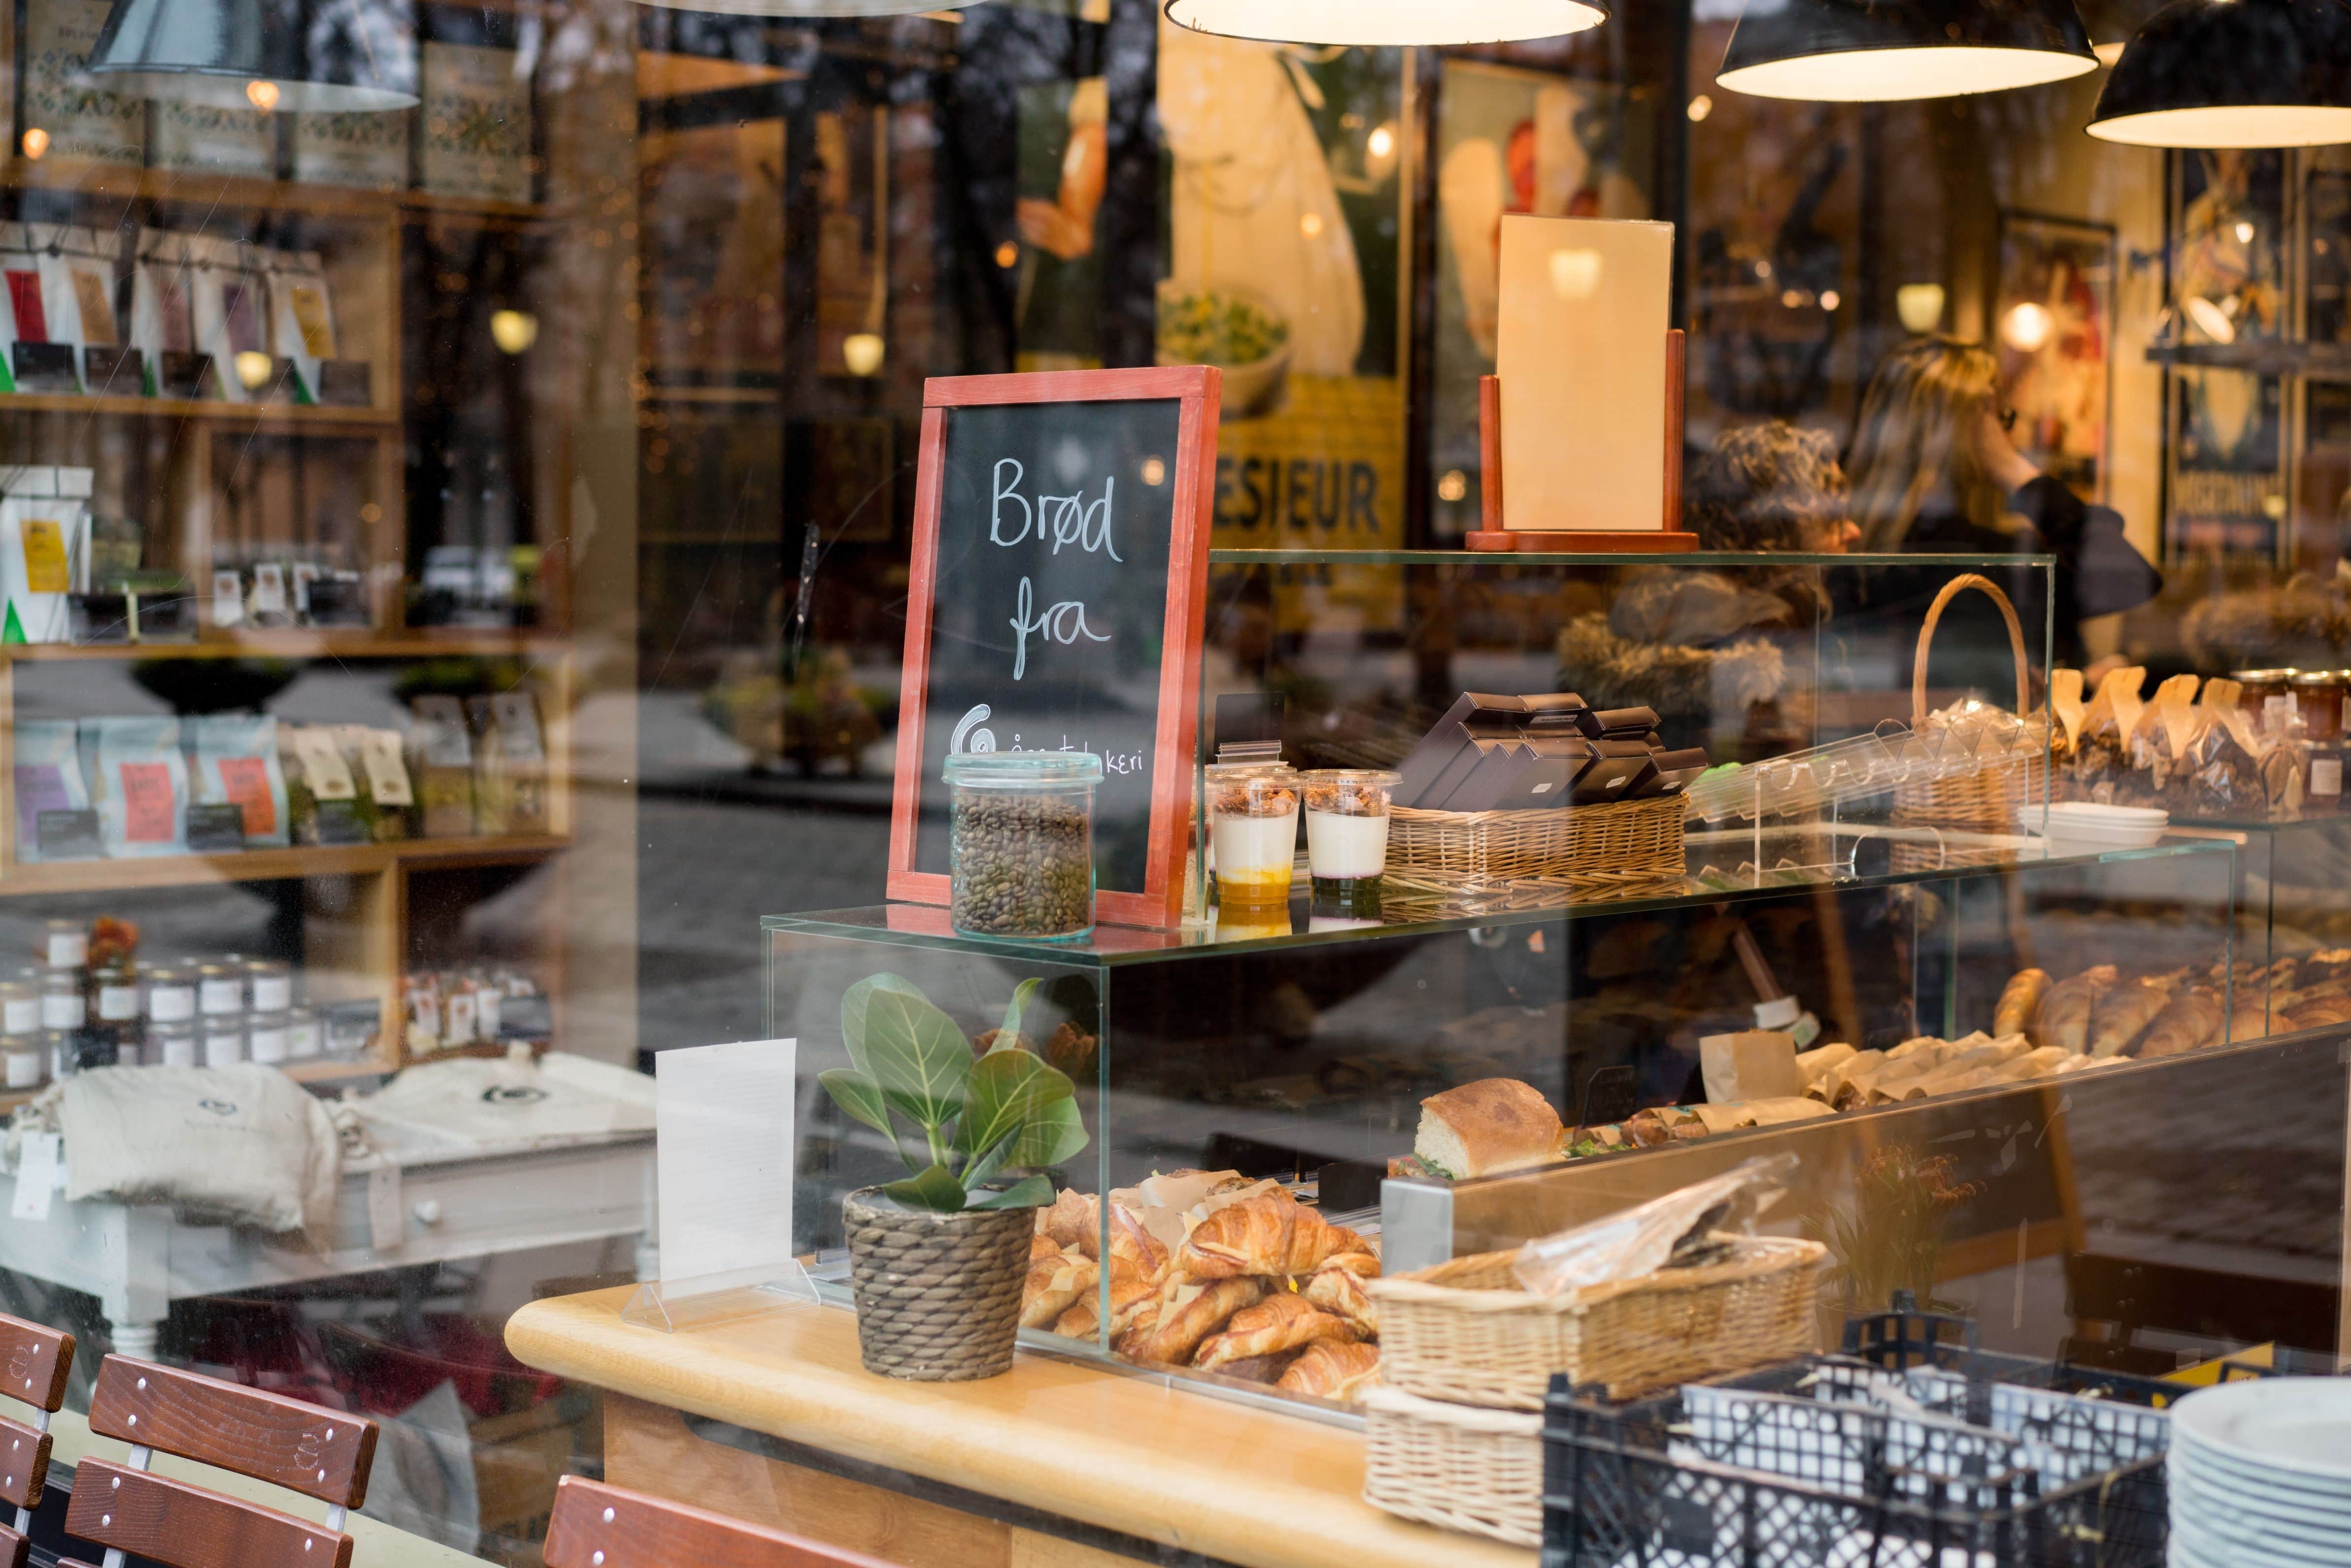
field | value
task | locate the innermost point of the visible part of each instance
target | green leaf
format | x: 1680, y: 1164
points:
x: 860, y: 1096
x: 1054, y: 1134
x: 1009, y: 1035
x: 976, y: 1172
x: 853, y: 1002
x: 919, y: 1057
x: 1006, y: 1091
x: 1031, y: 1192
x: 931, y: 1188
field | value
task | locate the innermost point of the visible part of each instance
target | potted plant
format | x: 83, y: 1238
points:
x: 938, y: 1260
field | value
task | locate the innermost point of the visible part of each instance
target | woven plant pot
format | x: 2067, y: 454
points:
x: 938, y: 1295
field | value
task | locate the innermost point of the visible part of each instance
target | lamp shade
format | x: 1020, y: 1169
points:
x: 2233, y: 73
x: 316, y: 56
x: 815, y: 10
x: 1862, y: 51
x: 1379, y: 22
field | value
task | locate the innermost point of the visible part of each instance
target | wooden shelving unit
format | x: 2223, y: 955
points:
x: 269, y: 866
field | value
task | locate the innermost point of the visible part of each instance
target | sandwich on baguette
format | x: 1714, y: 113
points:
x: 1484, y: 1128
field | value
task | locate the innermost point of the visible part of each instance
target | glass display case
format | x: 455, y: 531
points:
x: 1871, y: 908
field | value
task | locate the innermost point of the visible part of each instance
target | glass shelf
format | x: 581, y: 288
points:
x: 1608, y: 557
x: 1854, y: 859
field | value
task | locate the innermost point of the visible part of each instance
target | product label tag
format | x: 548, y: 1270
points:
x: 45, y: 571
x: 228, y: 598
x: 68, y: 835
x: 339, y: 823
x: 146, y: 802
x: 36, y: 1177
x: 2326, y: 776
x: 40, y: 786
x: 215, y: 829
x: 270, y: 589
x: 387, y: 771
x: 93, y: 302
x: 245, y: 782
x: 311, y: 321
x: 322, y: 764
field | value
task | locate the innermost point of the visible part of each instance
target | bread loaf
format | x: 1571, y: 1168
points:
x: 1492, y: 1126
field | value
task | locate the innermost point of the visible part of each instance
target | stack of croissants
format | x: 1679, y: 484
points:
x: 2105, y: 1013
x: 1212, y: 1270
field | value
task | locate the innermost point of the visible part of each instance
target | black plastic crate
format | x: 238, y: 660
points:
x: 1895, y: 1496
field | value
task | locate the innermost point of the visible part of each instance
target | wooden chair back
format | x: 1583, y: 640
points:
x: 320, y: 1453
x: 600, y: 1526
x: 35, y: 1363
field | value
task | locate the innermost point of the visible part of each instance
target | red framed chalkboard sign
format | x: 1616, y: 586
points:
x: 1058, y: 592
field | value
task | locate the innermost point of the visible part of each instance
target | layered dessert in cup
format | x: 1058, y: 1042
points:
x: 1347, y: 835
x: 1252, y: 832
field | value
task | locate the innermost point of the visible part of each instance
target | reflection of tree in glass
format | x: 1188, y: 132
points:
x: 1890, y: 1237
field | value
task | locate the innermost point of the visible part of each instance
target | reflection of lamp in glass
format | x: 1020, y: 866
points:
x: 816, y: 8
x: 862, y: 352
x: 259, y: 54
x: 1864, y: 51
x: 1921, y: 306
x: 514, y: 330
x: 2233, y: 73
x: 2027, y: 327
x: 36, y: 141
x: 253, y: 369
x: 2210, y: 319
x: 1379, y: 22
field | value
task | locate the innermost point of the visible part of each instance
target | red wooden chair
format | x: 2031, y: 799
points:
x: 34, y: 1363
x: 597, y: 1526
x: 318, y: 1452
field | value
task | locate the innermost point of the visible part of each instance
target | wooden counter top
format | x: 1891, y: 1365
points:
x: 1126, y: 1454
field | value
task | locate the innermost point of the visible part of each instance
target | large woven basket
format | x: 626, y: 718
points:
x: 1454, y: 1466
x: 1986, y: 800
x: 1465, y: 1331
x: 1630, y: 844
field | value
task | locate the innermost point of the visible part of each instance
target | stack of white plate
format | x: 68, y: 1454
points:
x: 2261, y: 1475
x: 2088, y: 824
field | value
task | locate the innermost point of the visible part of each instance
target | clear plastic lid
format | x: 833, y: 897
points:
x: 1023, y: 769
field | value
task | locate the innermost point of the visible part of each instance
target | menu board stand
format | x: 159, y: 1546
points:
x: 1672, y: 538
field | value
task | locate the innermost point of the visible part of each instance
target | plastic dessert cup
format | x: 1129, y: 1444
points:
x: 1252, y: 832
x: 1347, y: 835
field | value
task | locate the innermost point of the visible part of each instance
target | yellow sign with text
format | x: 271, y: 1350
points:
x: 1325, y: 472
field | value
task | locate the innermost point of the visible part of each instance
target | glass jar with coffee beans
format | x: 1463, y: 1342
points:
x: 1020, y: 842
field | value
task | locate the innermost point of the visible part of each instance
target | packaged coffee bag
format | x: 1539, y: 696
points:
x: 141, y: 786
x: 49, y: 778
x: 237, y: 764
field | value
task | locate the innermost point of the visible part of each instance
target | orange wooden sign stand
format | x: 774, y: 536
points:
x: 1495, y: 538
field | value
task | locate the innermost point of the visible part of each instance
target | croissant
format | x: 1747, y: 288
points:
x: 2192, y: 1019
x: 1131, y: 1301
x: 1263, y: 1236
x: 1072, y: 1221
x: 2065, y: 1015
x: 1055, y: 1281
x: 1281, y: 1322
x: 1337, y: 1288
x: 1175, y: 1331
x: 2121, y: 1013
x: 1331, y: 1369
x: 2019, y: 1001
x: 1133, y: 1245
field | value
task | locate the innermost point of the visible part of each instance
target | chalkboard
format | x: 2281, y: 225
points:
x: 1055, y: 604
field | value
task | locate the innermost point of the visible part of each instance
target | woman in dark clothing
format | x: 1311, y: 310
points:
x: 1934, y: 472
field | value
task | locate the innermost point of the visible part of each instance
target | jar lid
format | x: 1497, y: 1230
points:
x: 2265, y: 676
x: 2318, y: 678
x: 265, y: 966
x: 1023, y: 769
x: 1379, y: 776
x: 1231, y: 771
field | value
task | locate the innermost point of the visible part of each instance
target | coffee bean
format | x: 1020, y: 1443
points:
x: 1020, y: 864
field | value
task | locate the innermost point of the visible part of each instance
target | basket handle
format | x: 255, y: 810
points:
x: 1951, y: 591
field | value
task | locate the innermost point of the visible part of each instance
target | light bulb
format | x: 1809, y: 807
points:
x: 1453, y: 486
x: 1154, y: 471
x: 2245, y: 232
x: 36, y: 141
x: 1007, y: 254
x: 1921, y: 306
x: 253, y: 369
x: 1831, y: 299
x: 1381, y: 142
x: 2210, y: 318
x: 262, y: 94
x: 514, y: 330
x: 1700, y: 108
x: 2027, y: 327
x: 862, y: 352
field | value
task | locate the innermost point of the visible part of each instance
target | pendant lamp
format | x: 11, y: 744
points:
x: 315, y: 56
x: 2233, y: 73
x: 1868, y: 51
x: 1375, y: 24
x: 815, y: 10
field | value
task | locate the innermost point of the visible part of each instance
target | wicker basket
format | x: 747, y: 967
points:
x: 1454, y: 1466
x: 1984, y: 801
x: 1587, y: 848
x: 1465, y: 1331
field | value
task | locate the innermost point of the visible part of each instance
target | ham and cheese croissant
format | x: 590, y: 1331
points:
x: 1172, y: 1331
x: 1130, y: 1299
x: 1056, y: 1281
x: 1283, y: 1321
x: 1337, y: 1288
x: 1267, y: 1235
x: 1331, y: 1369
x: 1075, y: 1221
x: 2019, y: 1001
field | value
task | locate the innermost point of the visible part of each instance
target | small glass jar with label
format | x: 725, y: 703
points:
x: 22, y: 1065
x: 171, y: 1045
x: 223, y: 1038
x: 306, y: 1034
x: 170, y: 995
x: 64, y: 944
x: 220, y: 989
x: 265, y: 1039
x: 20, y: 1005
x: 119, y: 1010
x: 269, y: 986
x: 63, y: 1006
x: 2319, y: 696
x: 57, y: 1045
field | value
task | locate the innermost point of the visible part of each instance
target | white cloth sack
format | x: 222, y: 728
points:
x: 478, y: 1104
x: 245, y: 1142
